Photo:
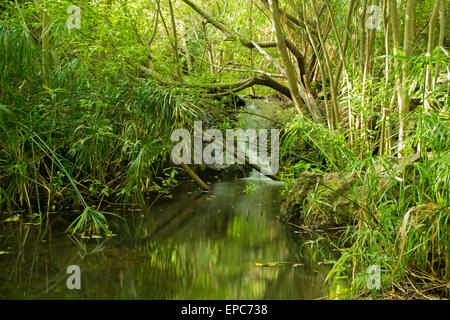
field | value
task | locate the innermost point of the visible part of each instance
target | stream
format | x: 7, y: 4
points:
x: 225, y: 244
x: 207, y: 246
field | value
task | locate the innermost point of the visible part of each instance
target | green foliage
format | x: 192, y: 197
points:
x: 329, y: 146
x: 403, y: 206
x: 250, y: 188
x: 70, y: 128
x: 90, y: 118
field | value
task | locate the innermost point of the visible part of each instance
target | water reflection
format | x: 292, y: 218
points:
x: 195, y: 246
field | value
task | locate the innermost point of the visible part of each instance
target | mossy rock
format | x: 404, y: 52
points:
x: 321, y: 200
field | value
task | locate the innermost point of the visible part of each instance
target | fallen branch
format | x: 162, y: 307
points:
x: 195, y: 177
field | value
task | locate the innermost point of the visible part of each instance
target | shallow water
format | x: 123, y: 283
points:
x: 194, y: 246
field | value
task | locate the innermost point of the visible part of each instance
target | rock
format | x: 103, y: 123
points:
x: 321, y: 200
x: 222, y: 172
x: 233, y: 102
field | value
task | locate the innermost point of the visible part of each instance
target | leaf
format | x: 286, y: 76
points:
x: 13, y: 218
x: 276, y: 264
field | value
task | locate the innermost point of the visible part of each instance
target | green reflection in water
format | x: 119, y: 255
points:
x: 191, y: 247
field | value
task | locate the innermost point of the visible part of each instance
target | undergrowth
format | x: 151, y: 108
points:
x: 67, y: 137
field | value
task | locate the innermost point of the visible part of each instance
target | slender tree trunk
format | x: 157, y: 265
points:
x: 343, y: 49
x: 155, y: 26
x: 329, y: 112
x: 393, y: 17
x: 175, y: 41
x: 430, y: 47
x: 334, y: 104
x: 288, y: 67
x: 45, y: 43
x: 209, y: 49
x: 407, y: 50
x: 442, y: 31
x: 385, y: 137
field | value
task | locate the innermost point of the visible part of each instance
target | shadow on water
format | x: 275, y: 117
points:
x: 195, y: 246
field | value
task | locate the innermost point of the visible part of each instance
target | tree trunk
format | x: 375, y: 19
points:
x: 282, y: 49
x: 175, y: 41
x: 407, y: 50
x: 430, y: 47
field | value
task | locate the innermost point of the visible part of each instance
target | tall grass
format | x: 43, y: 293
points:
x: 402, y: 206
x: 103, y: 139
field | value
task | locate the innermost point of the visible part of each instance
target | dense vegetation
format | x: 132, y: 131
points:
x: 86, y: 113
